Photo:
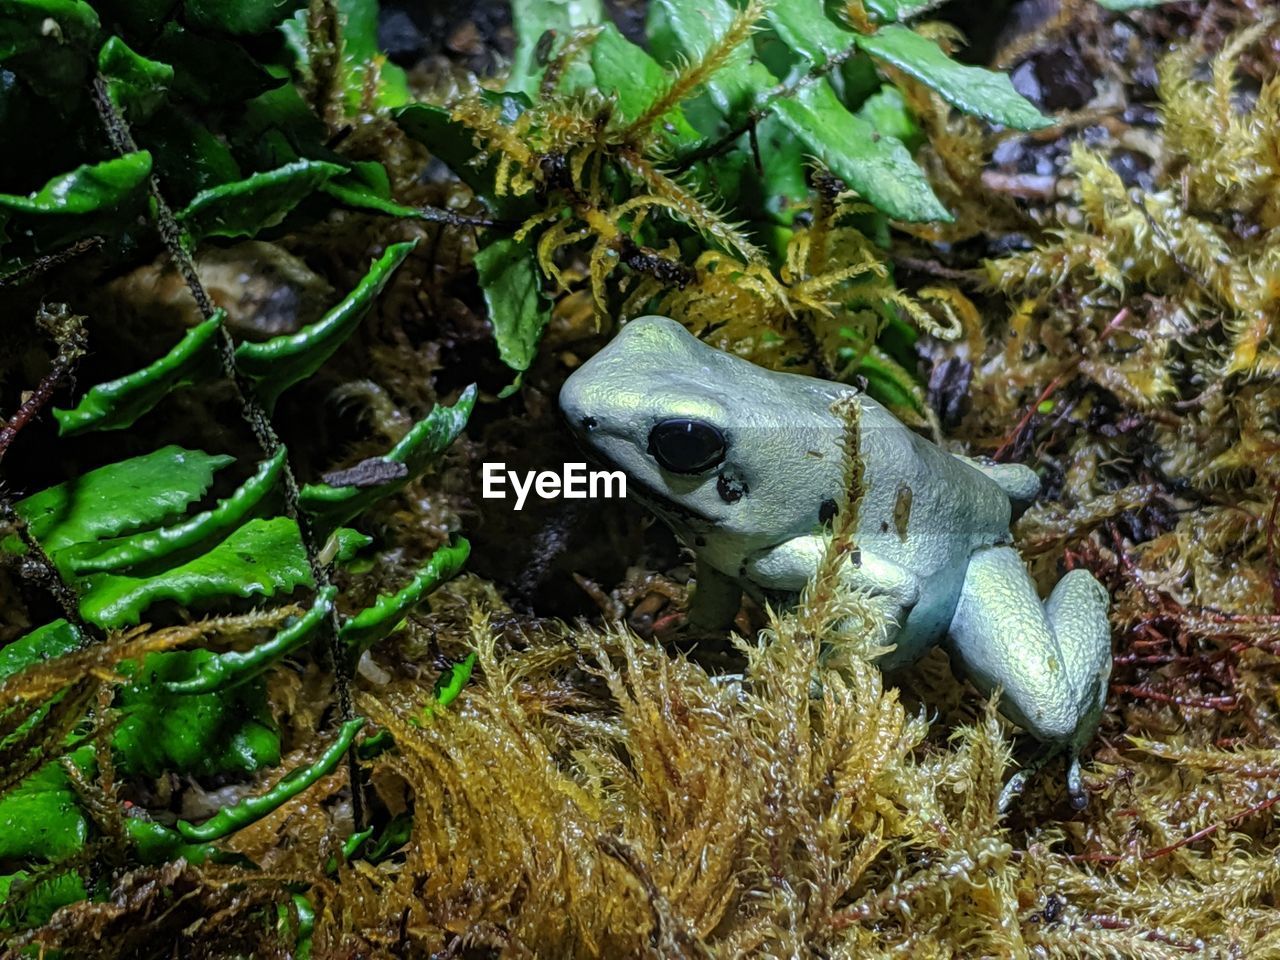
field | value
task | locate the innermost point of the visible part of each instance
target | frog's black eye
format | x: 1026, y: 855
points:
x: 682, y: 445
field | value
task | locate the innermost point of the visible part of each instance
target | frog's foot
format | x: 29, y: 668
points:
x: 1017, y: 783
x: 1052, y: 660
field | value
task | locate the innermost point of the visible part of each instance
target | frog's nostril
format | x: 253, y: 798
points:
x: 588, y: 423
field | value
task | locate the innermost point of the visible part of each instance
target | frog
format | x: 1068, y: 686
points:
x: 747, y: 468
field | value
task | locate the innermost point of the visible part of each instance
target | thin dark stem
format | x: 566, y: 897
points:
x: 69, y: 351
x: 259, y: 421
x: 37, y: 567
x: 43, y: 264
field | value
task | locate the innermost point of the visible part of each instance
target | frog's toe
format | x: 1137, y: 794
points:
x: 1075, y: 784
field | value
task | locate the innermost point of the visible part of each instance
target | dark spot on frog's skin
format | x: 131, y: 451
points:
x: 884, y: 526
x: 855, y: 557
x: 731, y: 489
x: 902, y: 510
x: 827, y: 512
x: 816, y: 454
x: 589, y: 423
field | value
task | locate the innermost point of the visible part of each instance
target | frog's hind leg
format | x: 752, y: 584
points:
x: 1020, y: 483
x: 1052, y: 660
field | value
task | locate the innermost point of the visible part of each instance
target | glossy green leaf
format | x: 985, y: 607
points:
x: 532, y: 19
x: 252, y: 809
x: 518, y: 311
x: 235, y: 667
x: 282, y: 361
x: 49, y: 642
x: 262, y: 200
x: 360, y: 50
x: 891, y: 11
x: 118, y: 403
x: 141, y: 17
x: 240, y: 16
x: 373, y: 623
x: 23, y: 24
x: 211, y: 71
x: 203, y: 735
x: 697, y: 27
x: 29, y: 902
x: 887, y: 112
x: 878, y: 167
x: 984, y: 93
x: 135, y: 84
x: 260, y: 559
x: 366, y: 188
x: 454, y: 145
x: 87, y: 189
x: 418, y: 448
x: 447, y: 687
x: 804, y: 27
x: 40, y: 819
x: 155, y: 843
x: 149, y: 546
x: 635, y: 79
x: 120, y: 497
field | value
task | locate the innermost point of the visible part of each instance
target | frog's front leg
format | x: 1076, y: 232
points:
x: 1052, y: 659
x: 790, y: 565
x: 716, y: 599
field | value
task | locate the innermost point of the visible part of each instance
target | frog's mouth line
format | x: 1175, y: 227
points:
x: 670, y: 511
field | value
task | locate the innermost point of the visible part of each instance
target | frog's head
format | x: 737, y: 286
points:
x: 713, y: 444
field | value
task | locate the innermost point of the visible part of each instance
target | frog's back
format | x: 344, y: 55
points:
x: 927, y: 511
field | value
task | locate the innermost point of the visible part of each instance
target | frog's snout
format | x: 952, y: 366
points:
x: 574, y: 404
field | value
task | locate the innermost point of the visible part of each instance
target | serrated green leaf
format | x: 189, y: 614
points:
x: 984, y: 93
x: 517, y: 310
x: 23, y: 25
x: 202, y: 734
x: 240, y: 16
x: 453, y: 144
x: 142, y: 17
x: 135, y: 84
x: 803, y: 26
x: 697, y: 27
x: 235, y: 667
x: 424, y: 442
x: 360, y: 51
x: 40, y: 819
x: 116, y: 404
x: 260, y: 559
x: 87, y: 189
x: 280, y: 362
x: 30, y: 903
x: 373, y: 623
x: 878, y: 167
x: 49, y: 642
x: 211, y: 71
x: 119, y: 498
x: 149, y: 546
x: 892, y: 11
x: 262, y: 200
x: 635, y: 79
x: 887, y: 112
x: 366, y: 187
x: 532, y: 19
x: 230, y: 819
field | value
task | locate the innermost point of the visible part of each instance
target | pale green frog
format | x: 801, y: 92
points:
x: 744, y: 465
